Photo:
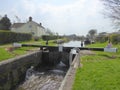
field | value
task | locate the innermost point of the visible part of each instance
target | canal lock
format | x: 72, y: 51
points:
x: 50, y: 68
x: 50, y: 73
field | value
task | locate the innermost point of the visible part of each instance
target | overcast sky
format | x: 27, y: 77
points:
x: 62, y: 16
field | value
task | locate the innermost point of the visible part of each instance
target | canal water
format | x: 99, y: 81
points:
x: 46, y: 78
x: 73, y: 44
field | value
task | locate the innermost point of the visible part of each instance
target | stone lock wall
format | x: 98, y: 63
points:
x: 13, y: 71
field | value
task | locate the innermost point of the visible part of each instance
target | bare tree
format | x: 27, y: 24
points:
x: 112, y: 10
x: 48, y: 31
x: 17, y: 18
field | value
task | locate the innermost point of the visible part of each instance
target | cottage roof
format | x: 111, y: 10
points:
x: 40, y: 25
x: 17, y: 25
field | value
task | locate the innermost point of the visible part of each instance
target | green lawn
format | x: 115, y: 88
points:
x: 4, y: 54
x: 98, y: 45
x: 99, y: 72
x: 40, y: 42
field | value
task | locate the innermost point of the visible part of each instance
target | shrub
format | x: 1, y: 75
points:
x: 36, y: 38
x: 115, y: 38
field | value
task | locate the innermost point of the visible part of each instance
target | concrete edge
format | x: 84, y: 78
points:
x: 68, y: 80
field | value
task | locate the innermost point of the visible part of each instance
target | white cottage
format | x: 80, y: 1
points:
x: 37, y: 30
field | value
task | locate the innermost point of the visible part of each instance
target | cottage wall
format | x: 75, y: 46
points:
x: 32, y: 28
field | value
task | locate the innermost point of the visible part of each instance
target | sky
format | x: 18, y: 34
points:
x: 60, y: 16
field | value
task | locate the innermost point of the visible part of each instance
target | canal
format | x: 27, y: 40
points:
x: 73, y: 44
x: 47, y: 78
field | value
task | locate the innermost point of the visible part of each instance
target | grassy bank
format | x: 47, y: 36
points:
x: 5, y: 54
x: 100, y: 71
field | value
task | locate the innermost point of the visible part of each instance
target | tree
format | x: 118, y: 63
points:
x: 102, y: 37
x: 102, y: 33
x: 112, y: 10
x: 87, y: 36
x: 48, y: 31
x: 5, y: 23
x: 92, y: 33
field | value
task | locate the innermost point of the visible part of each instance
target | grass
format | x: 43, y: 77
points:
x: 4, y: 54
x: 99, y: 72
x: 98, y: 45
x: 40, y: 42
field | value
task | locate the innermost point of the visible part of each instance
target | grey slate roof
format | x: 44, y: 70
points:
x: 17, y: 25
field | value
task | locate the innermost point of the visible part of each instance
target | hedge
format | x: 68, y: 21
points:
x: 10, y: 37
x: 50, y: 37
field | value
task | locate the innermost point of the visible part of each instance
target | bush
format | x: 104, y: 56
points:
x: 36, y: 38
x: 102, y: 39
x: 115, y: 38
x: 10, y: 37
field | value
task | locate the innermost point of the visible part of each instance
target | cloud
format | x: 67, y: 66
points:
x: 62, y: 16
x: 61, y: 10
x: 72, y: 17
x: 29, y: 6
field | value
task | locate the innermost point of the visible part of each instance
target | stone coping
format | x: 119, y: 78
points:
x: 68, y: 81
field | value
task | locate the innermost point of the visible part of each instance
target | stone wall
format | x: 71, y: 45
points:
x: 13, y: 71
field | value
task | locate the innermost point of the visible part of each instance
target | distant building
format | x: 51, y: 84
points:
x: 37, y: 30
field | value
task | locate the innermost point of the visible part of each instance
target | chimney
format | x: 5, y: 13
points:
x: 40, y: 24
x: 30, y: 19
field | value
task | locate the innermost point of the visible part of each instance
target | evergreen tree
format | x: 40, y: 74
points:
x: 5, y: 23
